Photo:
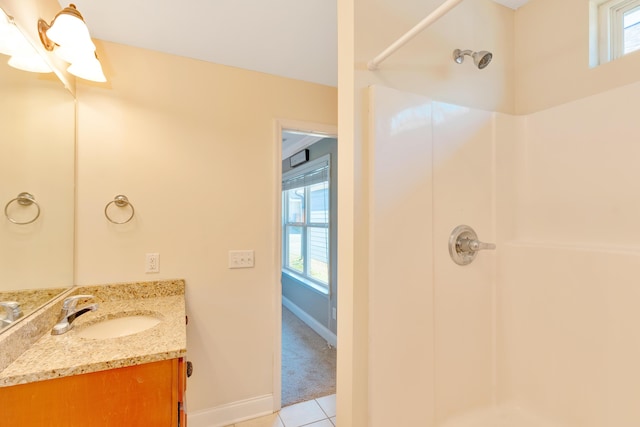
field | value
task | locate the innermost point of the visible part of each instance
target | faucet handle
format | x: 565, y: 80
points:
x: 13, y: 310
x: 464, y: 245
x: 474, y: 245
x: 71, y: 302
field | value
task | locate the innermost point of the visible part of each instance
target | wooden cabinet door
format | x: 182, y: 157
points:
x: 182, y: 388
x: 144, y: 395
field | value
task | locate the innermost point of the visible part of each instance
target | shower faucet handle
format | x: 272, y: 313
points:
x: 464, y: 245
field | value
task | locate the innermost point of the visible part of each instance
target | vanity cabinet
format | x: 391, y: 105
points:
x: 147, y: 395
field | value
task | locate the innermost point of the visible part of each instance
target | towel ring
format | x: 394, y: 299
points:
x: 120, y: 201
x: 23, y: 199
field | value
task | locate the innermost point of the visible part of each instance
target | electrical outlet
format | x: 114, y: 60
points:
x: 241, y: 259
x: 152, y: 264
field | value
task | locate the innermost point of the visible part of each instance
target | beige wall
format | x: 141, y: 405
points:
x: 193, y: 147
x: 149, y: 134
x: 552, y: 59
x: 36, y: 156
x: 425, y: 64
x: 353, y: 310
x: 424, y: 67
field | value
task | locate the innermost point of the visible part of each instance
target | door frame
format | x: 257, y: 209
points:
x: 280, y: 125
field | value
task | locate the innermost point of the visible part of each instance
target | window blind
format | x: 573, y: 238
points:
x: 311, y: 173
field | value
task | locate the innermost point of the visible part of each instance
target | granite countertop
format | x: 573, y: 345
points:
x: 54, y: 356
x: 31, y: 299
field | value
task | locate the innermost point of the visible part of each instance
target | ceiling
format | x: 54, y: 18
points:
x: 289, y: 38
x: 293, y: 141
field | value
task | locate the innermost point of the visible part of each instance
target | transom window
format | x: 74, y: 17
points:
x: 615, y: 29
x: 305, y: 197
x: 631, y: 29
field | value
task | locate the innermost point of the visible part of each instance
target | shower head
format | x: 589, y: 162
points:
x: 481, y: 59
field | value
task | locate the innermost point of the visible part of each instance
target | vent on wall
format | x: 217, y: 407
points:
x: 294, y: 141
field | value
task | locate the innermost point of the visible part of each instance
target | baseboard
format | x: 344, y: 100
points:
x: 318, y: 327
x: 232, y: 413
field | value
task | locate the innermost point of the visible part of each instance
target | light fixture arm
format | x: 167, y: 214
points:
x: 70, y: 10
x: 43, y: 26
x: 42, y: 32
x: 68, y: 36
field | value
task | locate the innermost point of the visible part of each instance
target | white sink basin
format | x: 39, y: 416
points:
x: 118, y: 327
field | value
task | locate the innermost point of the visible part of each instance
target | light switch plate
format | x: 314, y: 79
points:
x: 241, y: 259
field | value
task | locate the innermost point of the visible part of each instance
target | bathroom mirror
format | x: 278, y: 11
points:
x: 37, y: 154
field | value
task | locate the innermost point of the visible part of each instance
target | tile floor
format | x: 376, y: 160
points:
x: 320, y: 412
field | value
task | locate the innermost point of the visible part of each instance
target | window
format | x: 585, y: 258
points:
x: 615, y: 27
x: 306, y: 218
x: 631, y: 29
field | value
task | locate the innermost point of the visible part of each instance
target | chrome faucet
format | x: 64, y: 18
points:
x: 69, y: 313
x: 12, y: 312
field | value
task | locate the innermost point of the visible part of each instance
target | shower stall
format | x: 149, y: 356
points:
x: 537, y: 154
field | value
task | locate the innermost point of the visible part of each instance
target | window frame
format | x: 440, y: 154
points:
x: 610, y: 27
x: 304, y: 276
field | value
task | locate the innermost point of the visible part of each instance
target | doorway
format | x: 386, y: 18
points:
x: 308, y: 248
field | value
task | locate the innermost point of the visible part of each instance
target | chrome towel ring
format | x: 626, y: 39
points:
x: 23, y: 199
x: 120, y: 201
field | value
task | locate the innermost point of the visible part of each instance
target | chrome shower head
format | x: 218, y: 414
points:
x: 481, y: 59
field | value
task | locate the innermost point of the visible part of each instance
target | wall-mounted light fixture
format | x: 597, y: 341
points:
x: 68, y: 36
x: 22, y: 54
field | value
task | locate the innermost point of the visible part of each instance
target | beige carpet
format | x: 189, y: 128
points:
x: 308, y: 362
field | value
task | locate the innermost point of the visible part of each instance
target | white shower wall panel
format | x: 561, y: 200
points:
x: 581, y: 168
x: 462, y: 194
x: 431, y: 169
x: 568, y: 295
x: 569, y: 334
x: 401, y: 259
